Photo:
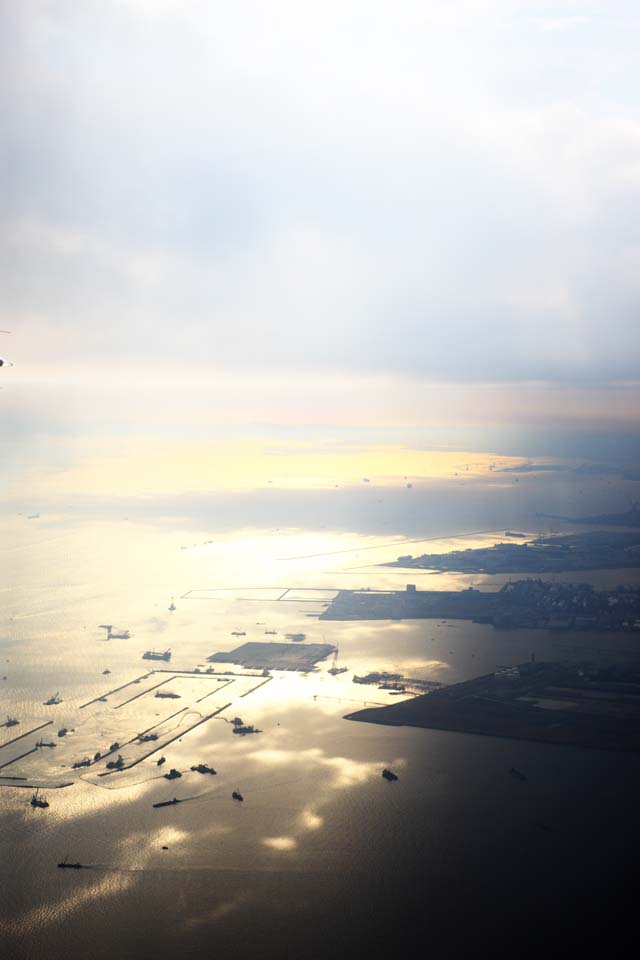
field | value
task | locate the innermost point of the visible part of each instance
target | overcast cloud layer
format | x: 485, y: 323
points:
x: 443, y: 189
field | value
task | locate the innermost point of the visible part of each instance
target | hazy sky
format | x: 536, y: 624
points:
x: 441, y: 190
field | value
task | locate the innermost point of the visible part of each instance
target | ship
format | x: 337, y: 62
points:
x: 296, y: 637
x: 389, y: 775
x: 10, y: 722
x: 236, y: 795
x: 123, y: 635
x: 167, y: 803
x: 65, y: 865
x: 37, y: 801
x: 203, y: 768
x: 272, y: 632
x: 167, y: 695
x: 147, y: 737
x: 44, y: 743
x: 81, y: 763
x: 244, y: 729
x: 154, y: 655
x: 173, y: 774
x: 238, y: 633
x: 52, y: 701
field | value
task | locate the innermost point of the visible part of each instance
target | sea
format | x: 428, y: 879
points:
x: 323, y: 857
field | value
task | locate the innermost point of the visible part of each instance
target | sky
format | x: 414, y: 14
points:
x: 340, y: 212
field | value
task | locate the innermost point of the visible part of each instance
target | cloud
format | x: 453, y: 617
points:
x: 441, y: 191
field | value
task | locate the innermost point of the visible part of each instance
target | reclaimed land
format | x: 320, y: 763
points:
x: 595, y: 550
x: 524, y: 603
x: 578, y: 705
x: 275, y: 656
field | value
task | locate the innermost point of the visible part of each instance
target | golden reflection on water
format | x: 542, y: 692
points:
x: 75, y: 897
x: 190, y: 466
x: 310, y: 819
x: 280, y: 843
x: 346, y: 771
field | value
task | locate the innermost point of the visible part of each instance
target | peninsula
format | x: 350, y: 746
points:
x: 580, y: 705
x: 630, y: 518
x: 595, y: 550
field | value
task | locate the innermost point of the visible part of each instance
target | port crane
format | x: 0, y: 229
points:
x: 334, y: 669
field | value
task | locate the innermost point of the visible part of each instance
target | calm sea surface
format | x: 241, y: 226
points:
x: 323, y: 857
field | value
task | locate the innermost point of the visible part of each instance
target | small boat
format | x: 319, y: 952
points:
x: 202, y: 768
x: 167, y: 803
x: 244, y: 729
x: 172, y: 607
x: 238, y: 633
x: 517, y: 774
x: 173, y: 774
x: 160, y: 761
x: 236, y: 795
x: 62, y: 732
x: 65, y: 865
x: 296, y: 637
x: 37, y: 801
x: 52, y: 701
x: 154, y: 655
x: 389, y: 775
x: 10, y: 722
x: 105, y: 672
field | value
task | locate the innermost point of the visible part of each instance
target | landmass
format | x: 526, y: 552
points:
x: 595, y: 550
x: 523, y: 603
x: 580, y: 705
x: 276, y: 656
x: 630, y: 518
